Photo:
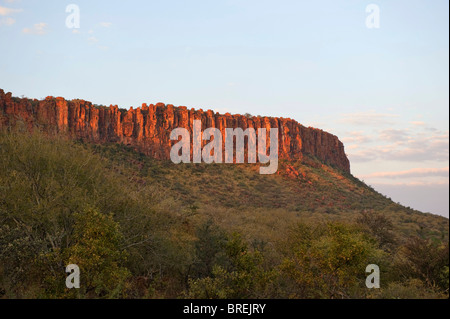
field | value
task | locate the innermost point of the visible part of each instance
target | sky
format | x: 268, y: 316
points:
x: 383, y: 89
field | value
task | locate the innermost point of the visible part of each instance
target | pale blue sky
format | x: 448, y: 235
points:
x: 383, y: 91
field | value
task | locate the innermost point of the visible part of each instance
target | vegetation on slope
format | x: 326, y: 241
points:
x: 142, y: 228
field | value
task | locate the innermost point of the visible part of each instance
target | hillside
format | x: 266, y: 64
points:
x: 142, y: 227
x: 237, y: 195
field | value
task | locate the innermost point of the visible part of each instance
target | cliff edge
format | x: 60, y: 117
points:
x: 148, y: 128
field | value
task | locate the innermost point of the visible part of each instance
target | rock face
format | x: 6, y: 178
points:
x: 148, y: 128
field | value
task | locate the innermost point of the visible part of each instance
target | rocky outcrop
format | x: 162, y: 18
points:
x: 148, y: 128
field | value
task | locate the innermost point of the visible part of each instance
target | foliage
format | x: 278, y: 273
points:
x: 241, y: 276
x: 379, y: 226
x: 143, y: 228
x: 424, y: 260
x: 327, y: 261
x: 96, y: 249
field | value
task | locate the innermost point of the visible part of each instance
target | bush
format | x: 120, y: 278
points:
x: 327, y: 261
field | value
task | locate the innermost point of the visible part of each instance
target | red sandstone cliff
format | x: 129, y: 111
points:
x: 148, y: 128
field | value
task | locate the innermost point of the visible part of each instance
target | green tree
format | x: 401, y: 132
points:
x: 327, y: 261
x: 243, y: 275
x: 379, y: 226
x: 424, y: 260
x: 96, y: 249
x: 208, y: 248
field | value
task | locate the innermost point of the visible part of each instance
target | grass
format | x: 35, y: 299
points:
x: 237, y: 195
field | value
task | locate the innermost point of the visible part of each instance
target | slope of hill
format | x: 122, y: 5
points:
x: 142, y: 227
x: 239, y: 195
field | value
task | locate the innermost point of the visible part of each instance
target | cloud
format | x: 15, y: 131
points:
x: 351, y: 147
x: 357, y: 155
x: 417, y: 123
x: 37, y: 29
x: 412, y: 173
x: 369, y: 118
x: 7, y: 21
x: 76, y: 31
x: 93, y: 39
x: 403, y: 145
x: 415, y: 183
x: 394, y: 135
x: 105, y: 24
x: 356, y: 137
x: 419, y: 147
x: 8, y: 11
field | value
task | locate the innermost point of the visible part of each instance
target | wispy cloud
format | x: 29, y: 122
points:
x: 394, y: 135
x: 369, y: 118
x: 356, y: 137
x: 419, y: 147
x: 93, y: 39
x: 361, y: 155
x: 414, y: 183
x: 105, y: 24
x: 7, y: 21
x: 8, y: 11
x: 401, y: 145
x: 5, y: 15
x: 37, y: 29
x: 412, y: 173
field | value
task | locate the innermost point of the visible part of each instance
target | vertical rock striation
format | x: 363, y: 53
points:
x: 148, y: 128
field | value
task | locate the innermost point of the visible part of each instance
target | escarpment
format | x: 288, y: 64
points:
x: 148, y: 128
